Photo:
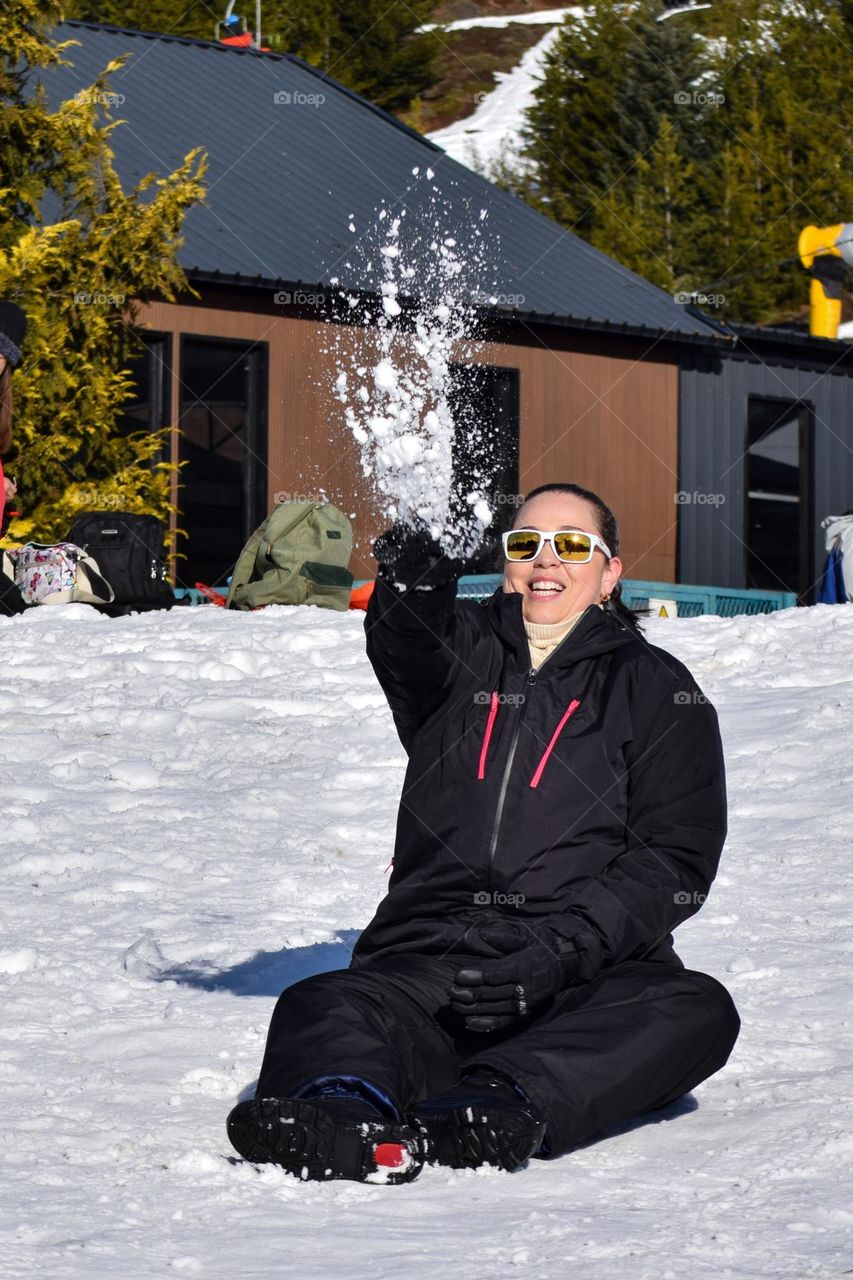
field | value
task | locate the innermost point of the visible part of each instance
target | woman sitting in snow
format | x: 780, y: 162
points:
x: 563, y: 810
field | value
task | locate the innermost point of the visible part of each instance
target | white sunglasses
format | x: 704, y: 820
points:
x: 572, y: 546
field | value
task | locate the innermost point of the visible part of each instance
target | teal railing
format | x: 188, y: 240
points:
x: 691, y: 601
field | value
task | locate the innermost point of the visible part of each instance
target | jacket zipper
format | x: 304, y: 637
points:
x: 487, y: 737
x: 540, y: 768
x: 531, y: 680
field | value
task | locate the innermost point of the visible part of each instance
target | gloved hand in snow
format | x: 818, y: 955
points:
x: 531, y: 961
x: 411, y: 557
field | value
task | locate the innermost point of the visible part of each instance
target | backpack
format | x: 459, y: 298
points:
x: 299, y: 555
x: 131, y: 553
x: 58, y: 573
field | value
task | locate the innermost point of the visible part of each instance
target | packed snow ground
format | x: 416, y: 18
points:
x: 198, y: 809
x: 492, y: 133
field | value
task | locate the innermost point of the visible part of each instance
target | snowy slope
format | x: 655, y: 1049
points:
x: 198, y: 808
x: 492, y: 132
x: 503, y: 20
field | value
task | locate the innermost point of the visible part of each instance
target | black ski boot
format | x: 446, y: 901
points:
x: 481, y: 1120
x: 319, y: 1139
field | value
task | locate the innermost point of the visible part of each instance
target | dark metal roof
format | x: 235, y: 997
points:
x: 286, y: 172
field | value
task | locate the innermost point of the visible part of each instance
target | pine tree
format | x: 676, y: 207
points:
x: 779, y: 149
x: 611, y: 76
x: 382, y: 55
x: 371, y: 46
x: 187, y: 18
x: 78, y: 273
x: 754, y: 97
x: 649, y: 224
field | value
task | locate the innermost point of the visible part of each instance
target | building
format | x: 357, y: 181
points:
x: 587, y: 372
x: 766, y: 452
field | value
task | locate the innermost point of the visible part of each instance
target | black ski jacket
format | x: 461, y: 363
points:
x: 593, y: 786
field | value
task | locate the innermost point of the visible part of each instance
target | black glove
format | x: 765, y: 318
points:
x: 411, y: 557
x: 536, y: 959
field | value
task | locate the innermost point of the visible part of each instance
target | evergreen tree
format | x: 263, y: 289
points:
x: 372, y: 46
x: 696, y: 156
x: 194, y: 18
x: 779, y: 149
x: 611, y: 77
x: 76, y: 252
x: 648, y: 224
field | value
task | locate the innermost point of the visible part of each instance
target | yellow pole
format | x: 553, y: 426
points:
x: 826, y: 252
x: 825, y: 313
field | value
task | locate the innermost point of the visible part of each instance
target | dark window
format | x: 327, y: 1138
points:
x: 223, y: 484
x: 485, y: 405
x: 149, y: 406
x: 778, y: 522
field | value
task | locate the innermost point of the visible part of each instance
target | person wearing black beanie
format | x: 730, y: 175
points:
x: 13, y: 325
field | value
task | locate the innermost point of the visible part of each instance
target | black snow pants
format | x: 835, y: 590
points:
x: 638, y: 1036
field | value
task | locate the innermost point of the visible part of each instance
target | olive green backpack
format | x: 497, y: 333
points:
x: 300, y: 555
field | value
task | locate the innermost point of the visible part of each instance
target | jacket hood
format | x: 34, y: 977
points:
x: 597, y: 631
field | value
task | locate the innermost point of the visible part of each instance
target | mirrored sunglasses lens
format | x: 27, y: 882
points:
x: 573, y: 546
x: 522, y: 545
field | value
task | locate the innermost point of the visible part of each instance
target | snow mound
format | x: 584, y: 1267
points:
x: 150, y: 921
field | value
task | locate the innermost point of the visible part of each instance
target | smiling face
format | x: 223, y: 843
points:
x: 551, y: 589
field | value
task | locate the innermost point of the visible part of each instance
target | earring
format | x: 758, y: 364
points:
x: 604, y: 599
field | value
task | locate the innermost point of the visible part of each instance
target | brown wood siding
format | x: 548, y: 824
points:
x: 605, y: 421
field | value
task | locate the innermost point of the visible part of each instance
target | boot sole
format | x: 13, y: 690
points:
x: 308, y: 1142
x: 468, y: 1137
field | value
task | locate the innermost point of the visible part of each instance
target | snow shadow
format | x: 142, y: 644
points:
x: 672, y: 1111
x: 267, y: 973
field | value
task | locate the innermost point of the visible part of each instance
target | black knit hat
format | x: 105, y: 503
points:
x: 13, y: 326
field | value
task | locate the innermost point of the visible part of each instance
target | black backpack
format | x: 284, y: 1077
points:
x: 130, y: 552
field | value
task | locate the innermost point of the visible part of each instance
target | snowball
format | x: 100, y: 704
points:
x: 385, y: 375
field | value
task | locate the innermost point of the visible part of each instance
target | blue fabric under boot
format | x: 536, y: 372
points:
x: 367, y: 1096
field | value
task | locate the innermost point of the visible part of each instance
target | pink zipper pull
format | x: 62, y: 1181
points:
x: 493, y: 711
x: 570, y: 710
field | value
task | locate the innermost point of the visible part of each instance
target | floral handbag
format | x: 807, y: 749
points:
x: 61, y: 573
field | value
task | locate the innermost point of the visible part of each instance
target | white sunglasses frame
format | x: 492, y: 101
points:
x: 595, y: 541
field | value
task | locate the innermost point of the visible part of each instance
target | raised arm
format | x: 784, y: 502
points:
x: 415, y: 635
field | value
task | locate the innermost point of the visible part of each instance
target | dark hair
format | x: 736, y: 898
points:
x: 5, y: 408
x: 609, y: 531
